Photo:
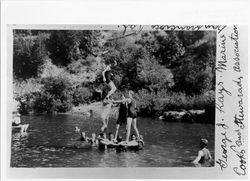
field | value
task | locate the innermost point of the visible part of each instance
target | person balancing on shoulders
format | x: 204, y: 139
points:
x: 107, y: 78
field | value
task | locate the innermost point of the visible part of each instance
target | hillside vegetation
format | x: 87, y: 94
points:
x: 55, y: 70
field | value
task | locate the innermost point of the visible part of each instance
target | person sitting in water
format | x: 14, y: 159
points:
x: 16, y: 122
x: 83, y: 137
x: 102, y: 141
x: 77, y: 129
x: 118, y: 145
x: 93, y: 140
x: 107, y: 78
x: 111, y: 137
x: 112, y: 141
x: 122, y: 118
x: 204, y: 155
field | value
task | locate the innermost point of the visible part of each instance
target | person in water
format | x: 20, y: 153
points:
x: 16, y: 122
x: 93, y: 140
x: 112, y: 141
x: 122, y: 118
x: 204, y: 156
x: 107, y: 78
x: 83, y: 137
x: 102, y: 141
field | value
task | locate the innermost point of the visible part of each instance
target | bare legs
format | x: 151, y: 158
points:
x: 129, y: 121
x: 135, y: 128
x: 105, y: 116
x: 133, y: 122
x: 113, y: 89
x: 117, y: 130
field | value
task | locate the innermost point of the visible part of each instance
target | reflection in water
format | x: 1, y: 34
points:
x: 51, y: 142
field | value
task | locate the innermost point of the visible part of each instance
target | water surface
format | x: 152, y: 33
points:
x: 50, y: 143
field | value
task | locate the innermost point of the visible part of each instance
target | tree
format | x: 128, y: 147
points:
x: 28, y: 53
x: 68, y: 45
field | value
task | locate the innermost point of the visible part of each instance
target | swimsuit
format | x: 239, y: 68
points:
x: 14, y: 124
x: 82, y: 139
x: 108, y: 76
x: 206, y: 157
x: 132, y: 109
x: 123, y: 112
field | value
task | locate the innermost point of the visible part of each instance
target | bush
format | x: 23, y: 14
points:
x: 55, y: 96
x: 26, y: 103
x: 82, y: 95
x: 48, y: 103
x: 154, y: 104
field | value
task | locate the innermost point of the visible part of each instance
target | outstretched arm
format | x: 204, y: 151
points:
x: 122, y: 101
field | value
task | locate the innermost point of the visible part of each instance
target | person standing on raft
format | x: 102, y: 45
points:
x: 122, y: 117
x: 131, y: 115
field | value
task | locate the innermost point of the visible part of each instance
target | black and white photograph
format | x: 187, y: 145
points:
x: 113, y: 98
x: 124, y: 90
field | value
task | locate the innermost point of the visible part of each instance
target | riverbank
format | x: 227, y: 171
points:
x: 92, y: 109
x: 187, y: 116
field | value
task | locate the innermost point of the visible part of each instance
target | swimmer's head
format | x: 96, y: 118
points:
x: 83, y: 134
x: 111, y: 136
x: 203, y: 143
x: 101, y: 135
x: 119, y: 139
x: 133, y: 137
x: 93, y: 135
x: 104, y: 135
x: 141, y: 137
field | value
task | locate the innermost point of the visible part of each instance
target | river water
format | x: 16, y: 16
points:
x: 50, y: 142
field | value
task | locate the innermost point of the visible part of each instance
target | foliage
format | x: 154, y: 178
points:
x: 29, y: 52
x: 168, y: 70
x: 55, y: 96
x: 26, y: 103
x: 67, y: 45
x: 82, y: 95
x: 150, y: 103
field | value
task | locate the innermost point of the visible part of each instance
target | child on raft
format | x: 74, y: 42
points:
x: 204, y: 156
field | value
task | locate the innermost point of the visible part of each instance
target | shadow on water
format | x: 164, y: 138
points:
x: 50, y: 142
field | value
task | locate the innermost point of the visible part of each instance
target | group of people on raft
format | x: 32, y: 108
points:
x: 127, y: 116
